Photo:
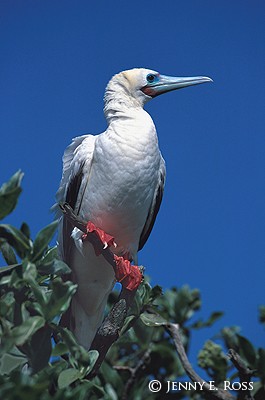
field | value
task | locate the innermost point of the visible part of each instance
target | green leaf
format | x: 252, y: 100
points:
x: 40, y: 349
x: 67, y: 377
x: 70, y: 375
x: 143, y: 333
x: 9, y: 268
x: 16, y: 239
x: 59, y: 350
x: 180, y: 304
x: 127, y: 323
x: 144, y: 292
x: 6, y: 303
x: 29, y: 275
x: 247, y: 350
x: 114, y: 376
x: 25, y: 230
x: 9, y: 193
x: 79, y: 354
x: 213, y: 317
x: 137, y: 304
x: 42, y: 240
x: 229, y: 335
x: 22, y: 333
x: 50, y: 255
x: 67, y: 337
x: 152, y: 319
x: 50, y: 264
x: 10, y: 361
x: 30, y: 271
x: 8, y: 253
x: 56, y: 267
x: 60, y: 298
x: 156, y: 292
x: 92, y: 358
x: 111, y: 393
x: 11, y: 276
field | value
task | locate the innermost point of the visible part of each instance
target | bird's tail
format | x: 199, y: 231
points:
x: 95, y: 279
x: 83, y: 325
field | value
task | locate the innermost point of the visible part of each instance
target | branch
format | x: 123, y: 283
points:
x: 140, y: 366
x: 109, y: 330
x: 216, y: 393
x: 244, y: 374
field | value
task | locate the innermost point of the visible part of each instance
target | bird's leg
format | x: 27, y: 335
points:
x: 130, y: 276
x: 106, y: 239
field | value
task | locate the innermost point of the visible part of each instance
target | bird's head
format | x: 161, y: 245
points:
x: 136, y: 86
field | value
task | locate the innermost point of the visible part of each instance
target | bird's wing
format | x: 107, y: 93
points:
x: 77, y: 161
x: 157, y: 199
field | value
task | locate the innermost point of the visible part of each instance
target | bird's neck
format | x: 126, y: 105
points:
x: 118, y: 103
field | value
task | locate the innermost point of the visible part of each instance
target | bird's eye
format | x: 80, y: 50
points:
x: 151, y: 78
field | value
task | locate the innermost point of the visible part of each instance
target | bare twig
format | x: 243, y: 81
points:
x: 215, y: 393
x: 123, y: 368
x: 140, y: 366
x: 244, y: 374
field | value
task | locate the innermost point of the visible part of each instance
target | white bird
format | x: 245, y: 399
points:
x: 116, y: 180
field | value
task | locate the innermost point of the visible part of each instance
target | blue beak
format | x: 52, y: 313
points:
x: 168, y: 83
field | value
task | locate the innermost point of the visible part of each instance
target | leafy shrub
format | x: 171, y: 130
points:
x: 41, y: 360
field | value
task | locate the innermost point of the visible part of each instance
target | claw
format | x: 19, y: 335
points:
x: 129, y: 275
x: 106, y: 239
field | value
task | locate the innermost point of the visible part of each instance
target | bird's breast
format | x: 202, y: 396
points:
x: 122, y: 181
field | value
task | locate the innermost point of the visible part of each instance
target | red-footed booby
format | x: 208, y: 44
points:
x: 116, y: 181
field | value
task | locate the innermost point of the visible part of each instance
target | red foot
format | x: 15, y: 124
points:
x: 129, y: 275
x: 106, y: 239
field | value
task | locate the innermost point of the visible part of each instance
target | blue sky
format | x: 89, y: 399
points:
x: 56, y: 59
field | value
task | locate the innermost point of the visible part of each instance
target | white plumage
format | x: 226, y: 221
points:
x: 115, y: 180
